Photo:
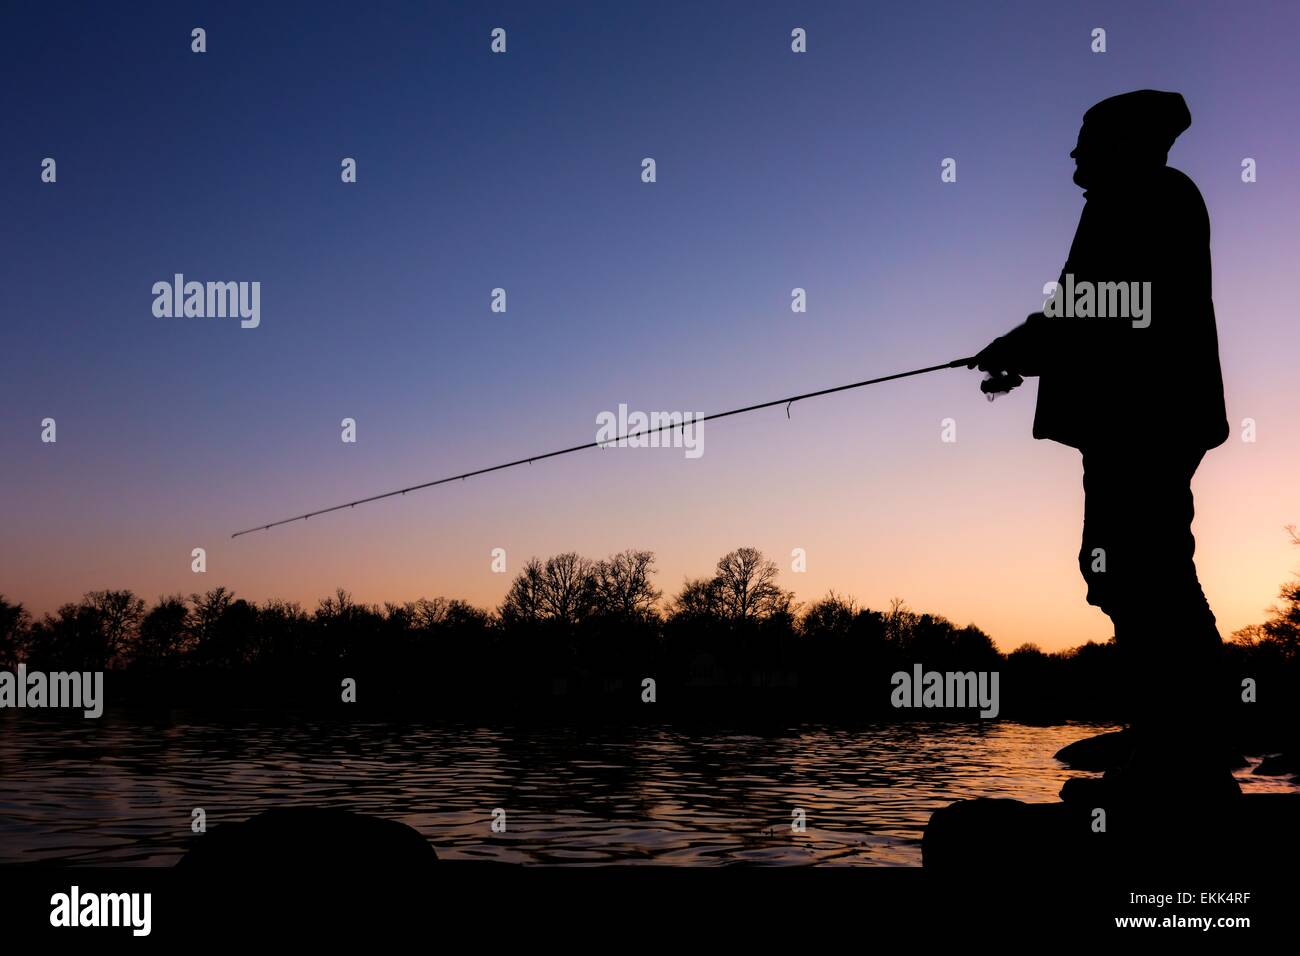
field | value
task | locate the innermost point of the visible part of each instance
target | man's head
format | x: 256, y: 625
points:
x: 1125, y: 134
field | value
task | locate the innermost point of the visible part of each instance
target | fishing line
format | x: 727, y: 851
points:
x: 787, y: 402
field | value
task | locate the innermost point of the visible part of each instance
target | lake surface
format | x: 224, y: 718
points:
x: 118, y: 791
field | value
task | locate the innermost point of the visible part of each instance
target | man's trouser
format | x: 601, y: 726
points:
x: 1137, y: 557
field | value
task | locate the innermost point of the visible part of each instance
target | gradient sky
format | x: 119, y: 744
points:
x: 775, y: 170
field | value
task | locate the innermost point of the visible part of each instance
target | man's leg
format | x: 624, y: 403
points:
x: 1138, y: 559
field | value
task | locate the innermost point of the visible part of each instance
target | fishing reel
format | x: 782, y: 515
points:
x: 999, y: 383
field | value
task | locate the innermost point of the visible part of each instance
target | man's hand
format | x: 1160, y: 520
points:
x: 1012, y: 353
x: 999, y: 383
x: 1000, y: 355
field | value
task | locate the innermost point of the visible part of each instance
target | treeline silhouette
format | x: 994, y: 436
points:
x: 577, y: 633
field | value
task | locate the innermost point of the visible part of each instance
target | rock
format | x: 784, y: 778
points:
x: 309, y: 839
x: 1104, y: 751
x: 971, y: 834
x: 1244, y: 835
x: 1278, y: 765
x: 1097, y: 753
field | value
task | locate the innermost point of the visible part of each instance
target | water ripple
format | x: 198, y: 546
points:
x: 120, y: 791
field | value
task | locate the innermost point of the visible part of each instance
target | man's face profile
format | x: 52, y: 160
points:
x: 1086, y: 158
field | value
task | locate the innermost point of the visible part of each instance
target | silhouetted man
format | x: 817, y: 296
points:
x: 1127, y: 358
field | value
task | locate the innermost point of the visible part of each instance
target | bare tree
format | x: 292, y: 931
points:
x: 900, y: 622
x: 163, y: 631
x: 427, y: 613
x: 747, y: 588
x: 621, y: 585
x: 833, y: 615
x: 120, y: 614
x: 208, y: 609
x: 340, y: 607
x: 698, y: 598
x: 1283, y: 628
x: 523, y: 602
x: 14, y: 621
x: 566, y: 593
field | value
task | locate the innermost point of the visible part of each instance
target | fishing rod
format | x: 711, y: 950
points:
x: 991, y: 386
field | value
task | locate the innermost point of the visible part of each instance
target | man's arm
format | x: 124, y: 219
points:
x: 1020, y: 352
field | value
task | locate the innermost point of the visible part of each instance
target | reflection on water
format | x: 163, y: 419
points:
x: 117, y: 791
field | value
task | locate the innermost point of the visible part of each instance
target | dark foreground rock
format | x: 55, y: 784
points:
x: 1279, y: 765
x: 1097, y: 753
x: 316, y: 839
x: 1104, y: 751
x: 1249, y: 835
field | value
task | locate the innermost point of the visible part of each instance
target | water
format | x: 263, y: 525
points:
x: 119, y: 791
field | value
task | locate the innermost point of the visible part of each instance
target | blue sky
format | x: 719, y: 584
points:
x: 775, y: 170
